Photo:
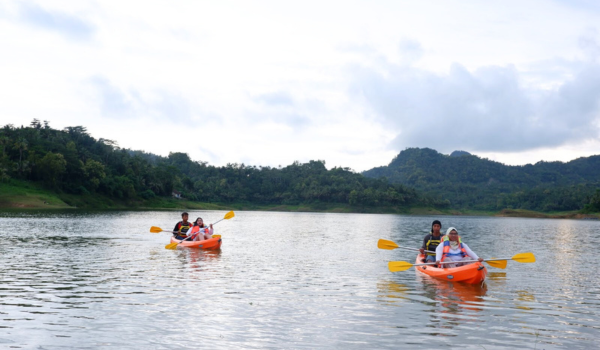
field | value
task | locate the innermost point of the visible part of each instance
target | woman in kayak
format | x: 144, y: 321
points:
x: 453, y: 249
x: 200, y: 232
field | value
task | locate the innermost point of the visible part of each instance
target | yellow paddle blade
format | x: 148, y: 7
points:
x: 385, y: 244
x: 501, y: 264
x: 524, y: 258
x: 229, y: 215
x: 396, y: 266
x: 216, y: 236
x: 171, y: 246
x: 155, y: 229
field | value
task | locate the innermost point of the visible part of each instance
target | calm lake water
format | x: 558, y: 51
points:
x: 95, y: 280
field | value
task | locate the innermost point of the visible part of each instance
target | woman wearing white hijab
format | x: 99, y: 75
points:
x: 452, y: 248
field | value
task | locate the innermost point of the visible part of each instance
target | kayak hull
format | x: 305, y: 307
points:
x: 210, y: 244
x: 472, y: 273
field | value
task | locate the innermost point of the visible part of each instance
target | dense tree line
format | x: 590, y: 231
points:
x: 72, y: 161
x: 468, y: 181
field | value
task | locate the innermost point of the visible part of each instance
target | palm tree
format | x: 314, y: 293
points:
x: 4, y: 141
x: 21, y: 145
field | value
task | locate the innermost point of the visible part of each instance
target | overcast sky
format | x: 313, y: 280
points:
x: 349, y: 82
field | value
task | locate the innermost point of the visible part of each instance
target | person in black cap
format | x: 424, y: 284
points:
x: 431, y: 241
x: 182, y: 227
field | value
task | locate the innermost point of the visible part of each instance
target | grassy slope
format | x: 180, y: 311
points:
x: 20, y: 194
x: 27, y: 195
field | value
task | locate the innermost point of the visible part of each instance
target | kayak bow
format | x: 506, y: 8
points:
x: 211, y: 243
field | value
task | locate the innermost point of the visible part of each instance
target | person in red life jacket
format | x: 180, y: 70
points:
x: 200, y: 231
x: 454, y: 249
x: 431, y: 241
x: 182, y: 227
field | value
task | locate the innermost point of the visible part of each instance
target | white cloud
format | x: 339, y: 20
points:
x: 270, y: 82
x: 71, y: 26
x: 486, y: 110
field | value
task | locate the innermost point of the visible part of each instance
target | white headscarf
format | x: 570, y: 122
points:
x: 453, y: 244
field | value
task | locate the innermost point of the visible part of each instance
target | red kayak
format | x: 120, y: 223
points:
x: 472, y: 273
x: 211, y: 243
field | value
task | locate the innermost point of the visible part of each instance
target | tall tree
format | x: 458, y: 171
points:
x: 51, y: 167
x: 21, y: 145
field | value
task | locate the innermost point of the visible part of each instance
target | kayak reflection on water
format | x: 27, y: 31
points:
x: 392, y: 292
x: 200, y: 259
x: 452, y: 296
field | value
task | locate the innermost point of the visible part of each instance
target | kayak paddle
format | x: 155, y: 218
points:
x: 175, y: 244
x: 156, y: 229
x: 389, y: 245
x: 395, y: 266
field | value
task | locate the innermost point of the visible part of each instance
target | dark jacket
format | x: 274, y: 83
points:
x: 430, y: 243
x: 181, y: 229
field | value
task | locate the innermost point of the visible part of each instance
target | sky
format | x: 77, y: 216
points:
x: 268, y: 83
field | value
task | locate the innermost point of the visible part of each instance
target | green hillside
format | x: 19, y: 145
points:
x: 44, y: 167
x: 469, y: 182
x: 71, y: 166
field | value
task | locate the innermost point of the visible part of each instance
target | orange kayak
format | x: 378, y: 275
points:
x: 472, y: 273
x: 211, y: 243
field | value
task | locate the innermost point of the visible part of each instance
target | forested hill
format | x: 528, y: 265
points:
x: 73, y: 162
x: 468, y: 181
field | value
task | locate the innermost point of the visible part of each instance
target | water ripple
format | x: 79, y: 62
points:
x: 88, y: 280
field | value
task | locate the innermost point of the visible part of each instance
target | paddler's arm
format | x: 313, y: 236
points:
x: 424, y: 246
x: 471, y: 253
x: 439, y: 252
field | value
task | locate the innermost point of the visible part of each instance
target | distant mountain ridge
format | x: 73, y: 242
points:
x: 459, y: 154
x: 472, y: 182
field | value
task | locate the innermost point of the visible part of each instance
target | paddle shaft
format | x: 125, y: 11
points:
x: 497, y: 259
x: 185, y: 239
x: 494, y: 259
x: 415, y: 249
x: 460, y: 261
x: 175, y: 232
x: 218, y: 221
x: 387, y: 244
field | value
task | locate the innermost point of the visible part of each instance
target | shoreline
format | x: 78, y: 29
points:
x: 24, y: 197
x: 34, y: 203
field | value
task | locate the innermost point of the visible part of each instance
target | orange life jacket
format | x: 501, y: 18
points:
x: 194, y: 231
x: 446, y: 251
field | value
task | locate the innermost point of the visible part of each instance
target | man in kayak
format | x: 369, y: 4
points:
x: 200, y: 231
x: 431, y: 241
x: 182, y: 227
x: 453, y: 249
